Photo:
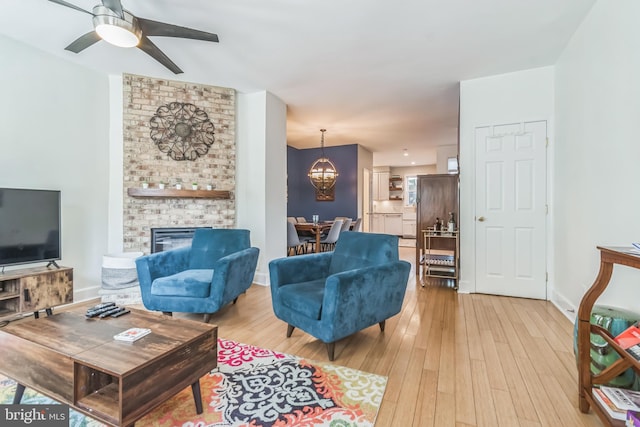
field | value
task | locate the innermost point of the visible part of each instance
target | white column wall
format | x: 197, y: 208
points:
x: 365, y: 161
x: 261, y: 176
x: 55, y: 127
x: 444, y: 152
x: 597, y: 152
x: 506, y: 98
x: 116, y: 165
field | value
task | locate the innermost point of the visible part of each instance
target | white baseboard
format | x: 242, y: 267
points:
x: 564, y: 305
x: 465, y: 287
x: 261, y: 279
x: 85, y: 294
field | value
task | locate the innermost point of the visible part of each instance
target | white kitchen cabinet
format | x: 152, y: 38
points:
x: 377, y: 223
x: 380, y: 186
x: 409, y: 228
x: 393, y: 224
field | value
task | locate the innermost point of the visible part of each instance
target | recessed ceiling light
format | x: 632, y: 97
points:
x: 413, y: 163
x: 406, y: 153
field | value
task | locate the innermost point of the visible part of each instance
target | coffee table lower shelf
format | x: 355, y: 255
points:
x: 102, y: 403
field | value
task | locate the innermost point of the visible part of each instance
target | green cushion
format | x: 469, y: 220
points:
x: 615, y: 320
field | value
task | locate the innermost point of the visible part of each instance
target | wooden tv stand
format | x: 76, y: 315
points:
x: 34, y: 289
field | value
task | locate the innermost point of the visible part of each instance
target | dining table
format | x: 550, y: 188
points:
x: 315, y: 228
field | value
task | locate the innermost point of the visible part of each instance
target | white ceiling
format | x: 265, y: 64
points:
x: 383, y: 74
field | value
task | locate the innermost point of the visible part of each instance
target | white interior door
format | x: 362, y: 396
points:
x: 510, y: 209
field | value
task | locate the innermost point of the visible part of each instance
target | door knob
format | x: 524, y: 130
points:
x: 481, y: 219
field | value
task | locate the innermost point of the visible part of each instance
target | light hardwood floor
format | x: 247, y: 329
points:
x: 451, y: 359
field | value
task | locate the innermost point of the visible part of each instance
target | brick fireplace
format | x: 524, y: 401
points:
x: 143, y: 161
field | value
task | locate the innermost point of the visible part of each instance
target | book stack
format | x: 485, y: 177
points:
x: 617, y: 401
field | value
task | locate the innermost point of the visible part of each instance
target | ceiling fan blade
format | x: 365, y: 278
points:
x: 115, y: 6
x: 152, y: 50
x: 72, y: 6
x: 83, y: 42
x: 155, y: 28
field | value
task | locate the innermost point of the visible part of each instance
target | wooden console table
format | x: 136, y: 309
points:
x: 608, y: 258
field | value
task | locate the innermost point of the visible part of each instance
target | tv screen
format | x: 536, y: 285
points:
x: 29, y: 226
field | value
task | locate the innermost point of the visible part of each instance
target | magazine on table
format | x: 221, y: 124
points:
x: 132, y: 334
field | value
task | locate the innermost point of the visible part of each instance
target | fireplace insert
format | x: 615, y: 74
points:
x: 164, y: 239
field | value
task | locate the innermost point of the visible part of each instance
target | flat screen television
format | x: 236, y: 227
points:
x: 29, y: 226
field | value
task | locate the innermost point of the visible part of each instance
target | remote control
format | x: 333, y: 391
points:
x: 95, y: 313
x: 120, y: 309
x: 121, y: 313
x: 101, y: 306
x: 110, y: 312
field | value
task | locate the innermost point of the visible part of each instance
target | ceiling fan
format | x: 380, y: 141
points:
x: 113, y: 24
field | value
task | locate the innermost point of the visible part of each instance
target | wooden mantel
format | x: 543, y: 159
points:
x: 180, y: 194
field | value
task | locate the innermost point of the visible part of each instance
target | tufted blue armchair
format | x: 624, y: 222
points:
x: 332, y: 295
x: 201, y: 278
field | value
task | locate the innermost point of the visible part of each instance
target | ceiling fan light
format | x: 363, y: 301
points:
x: 115, y: 30
x: 117, y: 36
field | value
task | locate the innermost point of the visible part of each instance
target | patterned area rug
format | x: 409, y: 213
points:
x: 255, y: 387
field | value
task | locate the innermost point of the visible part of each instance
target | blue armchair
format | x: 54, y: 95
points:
x: 201, y: 278
x: 332, y: 295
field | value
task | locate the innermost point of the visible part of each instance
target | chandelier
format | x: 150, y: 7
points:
x: 323, y: 174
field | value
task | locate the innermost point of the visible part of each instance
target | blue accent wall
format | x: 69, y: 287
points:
x: 301, y: 194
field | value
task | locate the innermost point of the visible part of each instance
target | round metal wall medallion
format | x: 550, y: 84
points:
x: 182, y: 130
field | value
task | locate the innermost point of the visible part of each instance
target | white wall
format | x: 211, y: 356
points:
x: 261, y: 176
x: 365, y: 161
x: 597, y: 152
x: 55, y: 135
x: 403, y: 171
x: 444, y: 153
x: 508, y: 98
x: 116, y: 166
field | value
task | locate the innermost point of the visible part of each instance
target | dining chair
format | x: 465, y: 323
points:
x: 346, y: 225
x: 329, y: 242
x: 291, y: 219
x: 295, y: 244
x: 301, y: 219
x: 357, y: 225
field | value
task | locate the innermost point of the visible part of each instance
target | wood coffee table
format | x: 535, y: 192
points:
x: 76, y: 361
